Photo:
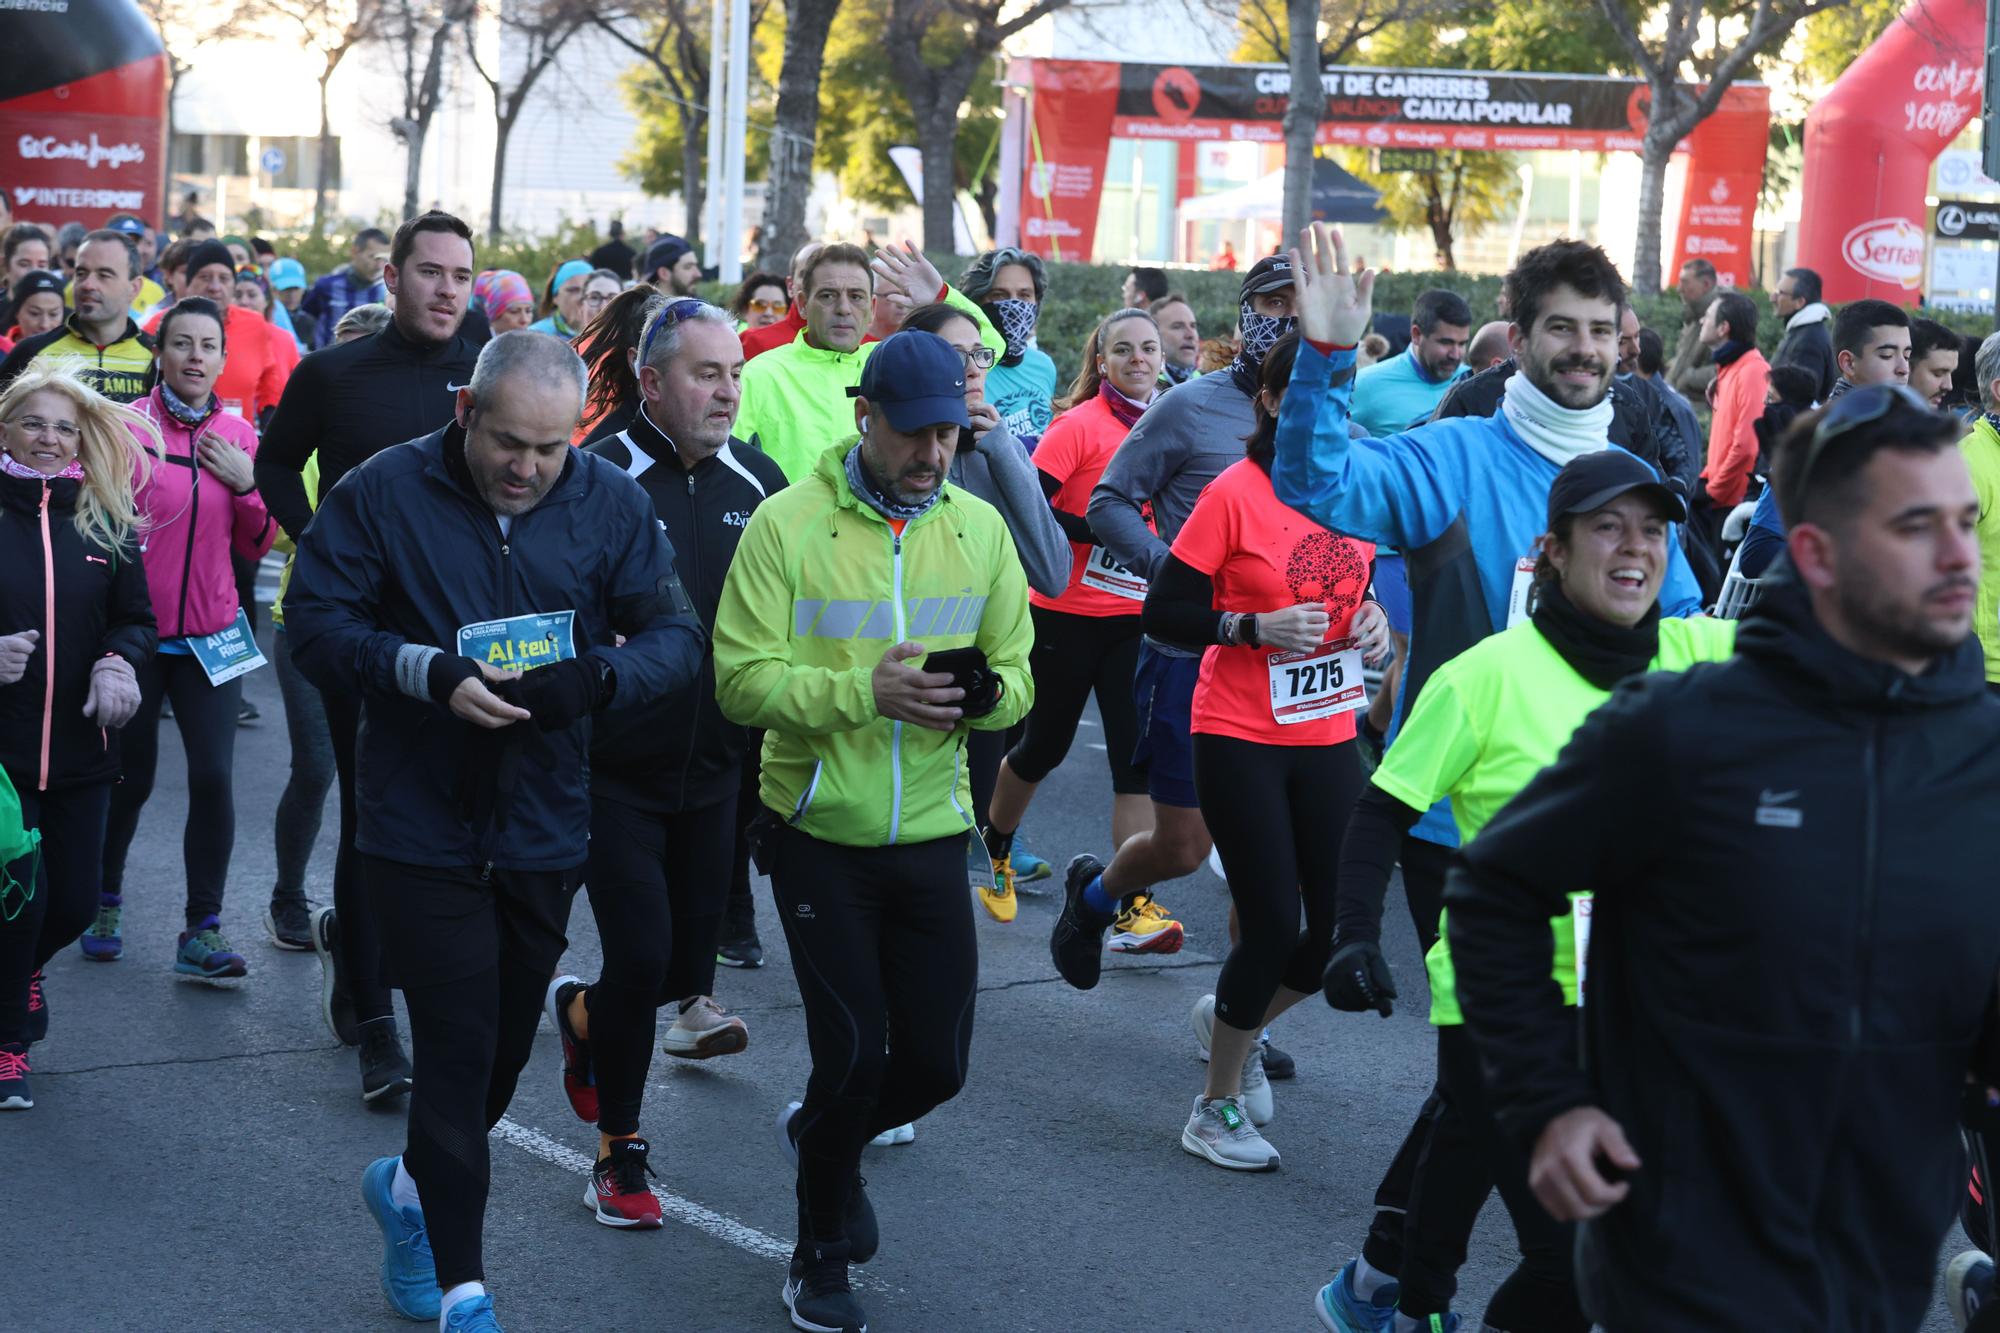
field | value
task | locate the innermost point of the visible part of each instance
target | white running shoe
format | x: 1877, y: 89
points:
x: 894, y: 1138
x: 1256, y: 1094
x: 703, y: 1029
x: 1203, y: 1019
x: 1218, y: 1130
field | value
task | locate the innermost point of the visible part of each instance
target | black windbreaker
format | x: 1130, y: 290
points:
x: 101, y: 606
x: 680, y: 752
x: 1795, y: 941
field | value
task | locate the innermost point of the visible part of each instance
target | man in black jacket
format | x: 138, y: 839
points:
x: 1794, y: 943
x: 346, y: 403
x: 1808, y: 340
x: 664, y: 778
x: 484, y: 590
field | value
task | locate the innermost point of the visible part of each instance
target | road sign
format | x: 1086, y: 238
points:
x: 273, y: 160
x: 1385, y: 161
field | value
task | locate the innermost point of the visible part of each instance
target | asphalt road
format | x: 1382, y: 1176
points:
x: 192, y: 1160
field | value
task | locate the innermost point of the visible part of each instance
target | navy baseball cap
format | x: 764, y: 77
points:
x: 126, y: 223
x: 916, y: 379
x: 1591, y: 481
x: 1272, y: 273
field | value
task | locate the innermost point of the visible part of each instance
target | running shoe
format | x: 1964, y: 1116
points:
x: 409, y: 1274
x: 102, y: 943
x: 38, y: 1010
x: 864, y: 1234
x: 385, y: 1070
x: 579, y: 1080
x: 1968, y: 1279
x: 743, y: 950
x: 289, y: 921
x: 1340, y: 1310
x: 1202, y: 1019
x: 1256, y: 1096
x: 704, y: 1029
x: 472, y: 1315
x: 1278, y: 1064
x: 1219, y: 1130
x: 817, y: 1294
x: 1076, y: 944
x: 1029, y: 868
x: 206, y: 954
x: 14, y: 1077
x: 900, y: 1136
x: 336, y: 1006
x: 998, y: 898
x: 1143, y: 926
x: 617, y: 1191
x: 247, y: 714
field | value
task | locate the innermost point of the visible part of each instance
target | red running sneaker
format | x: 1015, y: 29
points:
x: 579, y: 1080
x: 618, y: 1192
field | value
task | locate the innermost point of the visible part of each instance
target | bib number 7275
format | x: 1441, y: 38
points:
x: 1316, y: 683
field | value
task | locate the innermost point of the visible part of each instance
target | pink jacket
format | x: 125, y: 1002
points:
x: 192, y: 524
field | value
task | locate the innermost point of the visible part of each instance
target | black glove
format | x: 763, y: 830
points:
x: 446, y: 673
x: 562, y: 694
x: 1358, y: 979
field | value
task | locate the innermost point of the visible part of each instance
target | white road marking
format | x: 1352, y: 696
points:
x: 1095, y: 746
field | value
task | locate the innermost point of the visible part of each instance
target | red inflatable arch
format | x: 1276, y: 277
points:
x: 1870, y: 143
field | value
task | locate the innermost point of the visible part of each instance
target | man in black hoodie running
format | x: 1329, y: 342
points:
x: 1795, y: 940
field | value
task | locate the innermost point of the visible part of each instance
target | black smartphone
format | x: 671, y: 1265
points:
x: 966, y: 666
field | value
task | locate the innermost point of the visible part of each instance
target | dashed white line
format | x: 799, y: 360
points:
x: 1095, y: 746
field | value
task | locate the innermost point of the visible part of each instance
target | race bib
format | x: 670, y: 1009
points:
x: 234, y: 407
x: 1579, y: 916
x: 1517, y: 596
x: 1104, y: 573
x: 1319, y: 682
x: 228, y: 653
x: 523, y: 642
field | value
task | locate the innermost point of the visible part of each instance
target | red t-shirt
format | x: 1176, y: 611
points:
x: 1074, y: 451
x: 1262, y: 555
x: 756, y: 342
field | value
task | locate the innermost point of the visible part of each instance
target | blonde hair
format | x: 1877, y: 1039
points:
x: 113, y: 447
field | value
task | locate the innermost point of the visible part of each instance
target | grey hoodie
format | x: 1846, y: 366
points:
x: 999, y: 471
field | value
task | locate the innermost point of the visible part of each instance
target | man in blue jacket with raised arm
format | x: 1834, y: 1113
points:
x: 1465, y: 499
x: 472, y: 587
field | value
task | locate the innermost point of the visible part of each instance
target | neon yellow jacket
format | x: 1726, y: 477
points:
x: 820, y: 588
x: 795, y: 399
x: 1982, y: 460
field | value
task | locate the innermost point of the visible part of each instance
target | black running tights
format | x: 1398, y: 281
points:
x: 360, y: 943
x: 63, y: 886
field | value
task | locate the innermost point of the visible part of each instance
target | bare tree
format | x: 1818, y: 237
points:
x: 331, y: 29
x: 1669, y: 61
x: 541, y: 28
x: 938, y: 47
x: 796, y: 130
x: 184, y: 27
x: 417, y: 33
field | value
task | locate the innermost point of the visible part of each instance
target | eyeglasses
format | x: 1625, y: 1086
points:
x: 1866, y: 406
x: 66, y: 431
x: 597, y: 298
x: 979, y: 358
x: 764, y: 307
x: 673, y: 313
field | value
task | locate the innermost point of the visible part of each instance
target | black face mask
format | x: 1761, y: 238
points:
x: 1599, y: 651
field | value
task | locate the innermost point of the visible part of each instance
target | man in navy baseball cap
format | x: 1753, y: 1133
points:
x: 910, y: 409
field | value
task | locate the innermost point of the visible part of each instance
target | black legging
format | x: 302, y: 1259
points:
x: 473, y: 956
x: 63, y: 885
x: 1450, y: 1189
x: 302, y: 805
x: 888, y: 966
x: 1277, y: 813
x: 1073, y: 656
x: 657, y: 885
x: 739, y: 914
x: 206, y: 716
x: 983, y: 752
x: 360, y: 936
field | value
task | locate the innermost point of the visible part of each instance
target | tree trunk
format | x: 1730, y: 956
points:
x: 987, y: 196
x: 796, y: 126
x: 1302, y: 114
x: 419, y: 123
x: 1439, y: 215
x: 694, y: 170
x: 1655, y: 151
x: 937, y: 137
x: 503, y: 130
x: 325, y: 153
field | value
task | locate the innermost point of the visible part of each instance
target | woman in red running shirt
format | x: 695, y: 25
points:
x: 1280, y: 600
x: 1087, y: 639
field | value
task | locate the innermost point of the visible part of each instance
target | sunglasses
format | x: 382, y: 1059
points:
x: 1866, y: 406
x: 676, y: 311
x: 765, y: 307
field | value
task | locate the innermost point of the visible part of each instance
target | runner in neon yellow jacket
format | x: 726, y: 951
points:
x: 819, y: 590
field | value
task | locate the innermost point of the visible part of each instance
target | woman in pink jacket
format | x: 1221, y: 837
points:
x: 200, y: 505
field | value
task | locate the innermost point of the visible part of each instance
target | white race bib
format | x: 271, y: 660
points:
x: 1319, y: 682
x: 1579, y: 916
x: 1517, y: 596
x: 1104, y: 573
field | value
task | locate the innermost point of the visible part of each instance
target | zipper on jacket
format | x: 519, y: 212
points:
x: 694, y: 557
x: 194, y: 521
x: 49, y: 641
x: 806, y: 796
x: 1870, y: 851
x: 896, y: 733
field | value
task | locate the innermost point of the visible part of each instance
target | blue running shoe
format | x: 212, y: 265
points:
x: 1028, y: 868
x: 1341, y: 1311
x: 474, y: 1315
x: 102, y: 943
x: 409, y: 1274
x: 206, y: 955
